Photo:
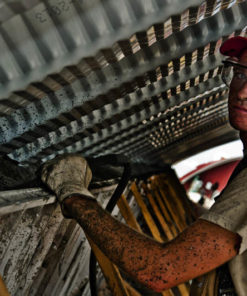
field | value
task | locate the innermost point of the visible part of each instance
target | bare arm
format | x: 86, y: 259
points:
x: 200, y: 248
x: 197, y: 250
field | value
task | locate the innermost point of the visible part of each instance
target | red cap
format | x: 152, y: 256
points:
x: 234, y: 46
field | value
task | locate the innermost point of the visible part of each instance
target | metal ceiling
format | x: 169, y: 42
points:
x: 140, y: 78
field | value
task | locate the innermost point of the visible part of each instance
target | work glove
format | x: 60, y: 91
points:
x: 67, y: 175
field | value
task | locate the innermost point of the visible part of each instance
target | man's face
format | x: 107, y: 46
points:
x: 237, y: 103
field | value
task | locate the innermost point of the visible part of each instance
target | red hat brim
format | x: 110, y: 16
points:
x: 234, y: 46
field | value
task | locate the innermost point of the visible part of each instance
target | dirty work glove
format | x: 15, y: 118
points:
x: 67, y: 175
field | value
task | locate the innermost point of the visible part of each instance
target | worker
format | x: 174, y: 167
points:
x: 217, y: 237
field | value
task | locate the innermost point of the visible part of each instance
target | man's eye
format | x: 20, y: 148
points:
x: 240, y: 76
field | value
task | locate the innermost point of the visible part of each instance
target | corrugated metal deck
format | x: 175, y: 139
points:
x: 139, y: 95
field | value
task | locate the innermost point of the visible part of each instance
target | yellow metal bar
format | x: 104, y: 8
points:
x: 177, y: 198
x: 167, y: 293
x: 175, y: 214
x: 174, y: 200
x: 131, y: 290
x: 110, y: 271
x: 172, y: 180
x: 183, y: 289
x: 147, y: 216
x: 157, y: 212
x: 164, y: 210
x: 3, y: 288
x: 127, y: 213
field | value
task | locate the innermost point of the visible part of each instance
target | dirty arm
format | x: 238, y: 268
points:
x: 197, y: 250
